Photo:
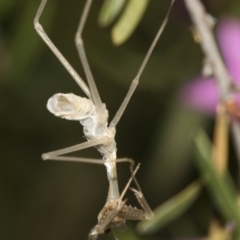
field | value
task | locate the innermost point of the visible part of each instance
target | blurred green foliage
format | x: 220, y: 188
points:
x: 129, y: 20
x: 220, y: 185
x: 49, y: 200
x: 171, y: 209
x: 109, y: 11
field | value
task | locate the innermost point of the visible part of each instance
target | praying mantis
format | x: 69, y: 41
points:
x: 92, y: 114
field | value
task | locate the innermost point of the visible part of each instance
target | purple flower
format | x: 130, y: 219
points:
x: 201, y: 93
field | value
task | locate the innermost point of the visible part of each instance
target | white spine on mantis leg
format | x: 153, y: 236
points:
x: 70, y: 106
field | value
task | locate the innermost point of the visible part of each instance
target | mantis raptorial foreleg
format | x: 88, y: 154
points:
x: 110, y: 211
x: 142, y: 201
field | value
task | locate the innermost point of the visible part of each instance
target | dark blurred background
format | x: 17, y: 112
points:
x: 60, y: 200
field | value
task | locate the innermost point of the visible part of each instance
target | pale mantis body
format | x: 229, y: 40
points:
x: 93, y: 115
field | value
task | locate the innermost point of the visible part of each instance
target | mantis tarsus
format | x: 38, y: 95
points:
x: 93, y: 115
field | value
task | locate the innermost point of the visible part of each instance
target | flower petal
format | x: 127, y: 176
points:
x: 201, y: 94
x: 228, y: 35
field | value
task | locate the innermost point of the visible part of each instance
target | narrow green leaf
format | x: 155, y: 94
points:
x: 129, y: 234
x: 129, y: 20
x: 109, y: 11
x: 171, y: 209
x: 221, y: 187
